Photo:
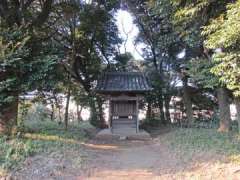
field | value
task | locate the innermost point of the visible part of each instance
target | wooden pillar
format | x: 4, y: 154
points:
x: 137, y: 121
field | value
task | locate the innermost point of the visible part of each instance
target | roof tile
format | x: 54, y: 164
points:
x: 123, y: 81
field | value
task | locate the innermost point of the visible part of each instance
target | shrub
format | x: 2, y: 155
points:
x: 153, y: 122
x: 37, y: 112
x: 14, y: 151
x: 190, y: 140
x: 39, y: 137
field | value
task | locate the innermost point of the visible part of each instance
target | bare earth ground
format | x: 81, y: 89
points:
x: 129, y: 160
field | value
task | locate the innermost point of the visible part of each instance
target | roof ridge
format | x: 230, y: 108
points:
x: 124, y: 73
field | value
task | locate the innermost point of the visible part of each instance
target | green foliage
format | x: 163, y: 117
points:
x: 223, y: 33
x: 150, y: 123
x: 28, y: 55
x: 12, y: 55
x: 191, y: 141
x: 162, y: 44
x: 89, y: 32
x: 14, y: 151
x: 214, y: 25
x: 52, y: 129
x: 40, y: 137
x: 80, y: 96
x: 199, y: 70
x: 227, y: 68
x: 122, y: 61
x: 36, y: 113
x: 190, y: 16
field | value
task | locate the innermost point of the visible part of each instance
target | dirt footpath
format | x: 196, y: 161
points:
x: 127, y: 160
x: 130, y: 160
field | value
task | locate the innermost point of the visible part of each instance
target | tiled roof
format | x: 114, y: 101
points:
x: 123, y: 82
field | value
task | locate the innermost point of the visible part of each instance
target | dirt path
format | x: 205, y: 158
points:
x: 128, y: 160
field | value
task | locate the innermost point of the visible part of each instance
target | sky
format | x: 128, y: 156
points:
x: 128, y: 32
x: 127, y: 27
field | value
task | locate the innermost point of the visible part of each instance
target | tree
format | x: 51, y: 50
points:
x: 157, y: 33
x: 81, y: 99
x: 22, y: 59
x: 222, y: 35
x: 189, y: 19
x: 11, y: 53
x: 88, y: 35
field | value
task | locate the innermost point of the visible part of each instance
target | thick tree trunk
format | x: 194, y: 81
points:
x: 66, y: 108
x: 8, y: 117
x: 237, y: 104
x: 224, y: 110
x: 79, y: 112
x: 187, y: 101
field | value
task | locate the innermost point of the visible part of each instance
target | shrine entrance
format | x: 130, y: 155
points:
x: 124, y: 114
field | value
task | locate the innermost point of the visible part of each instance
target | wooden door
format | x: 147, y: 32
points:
x: 123, y: 114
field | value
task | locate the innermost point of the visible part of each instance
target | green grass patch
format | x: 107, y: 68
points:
x: 13, y: 151
x: 40, y: 137
x: 189, y: 141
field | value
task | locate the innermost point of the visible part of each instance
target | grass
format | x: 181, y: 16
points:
x: 187, y: 142
x: 39, y: 137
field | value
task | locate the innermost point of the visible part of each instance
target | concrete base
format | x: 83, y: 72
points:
x: 123, y: 134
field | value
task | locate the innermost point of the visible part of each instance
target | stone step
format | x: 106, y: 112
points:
x: 107, y: 134
x: 124, y: 131
x: 124, y: 126
x: 133, y: 120
x: 123, y: 122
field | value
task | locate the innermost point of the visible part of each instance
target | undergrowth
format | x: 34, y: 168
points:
x: 189, y: 141
x: 39, y: 137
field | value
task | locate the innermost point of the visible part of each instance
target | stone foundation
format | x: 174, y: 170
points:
x: 106, y: 134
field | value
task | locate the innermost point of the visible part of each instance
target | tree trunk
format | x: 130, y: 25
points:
x: 59, y: 115
x: 160, y: 106
x: 224, y: 110
x: 8, y: 117
x: 102, y: 123
x: 149, y: 111
x: 237, y: 104
x: 187, y: 102
x: 167, y: 107
x: 97, y: 113
x: 93, y: 111
x: 66, y: 108
x: 52, y: 112
x: 79, y: 111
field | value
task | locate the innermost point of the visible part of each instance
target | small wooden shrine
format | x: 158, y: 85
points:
x: 123, y: 90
